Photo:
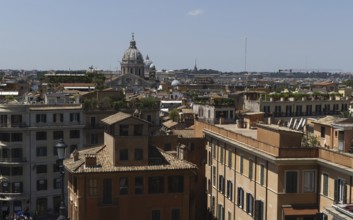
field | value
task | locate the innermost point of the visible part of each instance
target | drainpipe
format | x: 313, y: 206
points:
x: 266, y: 190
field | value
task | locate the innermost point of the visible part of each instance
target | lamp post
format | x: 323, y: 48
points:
x: 60, y: 149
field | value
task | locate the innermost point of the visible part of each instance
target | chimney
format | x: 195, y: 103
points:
x: 90, y: 160
x: 75, y: 154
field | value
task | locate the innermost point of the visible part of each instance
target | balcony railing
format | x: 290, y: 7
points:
x: 13, y: 160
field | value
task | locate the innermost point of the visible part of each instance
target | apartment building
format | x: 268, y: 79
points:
x: 266, y: 173
x: 28, y: 134
x: 127, y: 177
x: 215, y: 110
x: 295, y: 105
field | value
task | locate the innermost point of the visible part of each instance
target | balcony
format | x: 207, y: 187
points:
x: 14, y: 160
x: 6, y: 196
x: 14, y: 125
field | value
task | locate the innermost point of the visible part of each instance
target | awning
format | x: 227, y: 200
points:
x: 290, y: 211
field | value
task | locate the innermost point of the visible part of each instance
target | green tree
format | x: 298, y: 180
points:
x: 309, y: 140
x: 174, y: 114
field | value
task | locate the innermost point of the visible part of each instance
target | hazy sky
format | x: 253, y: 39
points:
x: 75, y: 34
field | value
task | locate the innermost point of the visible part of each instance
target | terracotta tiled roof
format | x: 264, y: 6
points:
x: 187, y: 111
x: 115, y: 118
x: 185, y: 133
x: 104, y: 163
x: 328, y: 120
x: 120, y: 116
x: 169, y: 124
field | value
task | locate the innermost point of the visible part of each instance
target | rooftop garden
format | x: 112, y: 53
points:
x: 218, y: 101
x: 119, y: 102
x: 295, y: 96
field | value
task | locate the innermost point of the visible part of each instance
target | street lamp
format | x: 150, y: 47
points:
x: 60, y: 149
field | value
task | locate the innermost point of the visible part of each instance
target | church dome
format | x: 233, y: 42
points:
x: 152, y: 66
x: 132, y: 54
x: 175, y: 83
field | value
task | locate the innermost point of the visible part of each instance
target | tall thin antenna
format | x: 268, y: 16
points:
x: 246, y: 47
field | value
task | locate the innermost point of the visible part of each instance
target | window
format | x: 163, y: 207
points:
x: 230, y: 158
x: 156, y: 215
x: 138, y: 154
x: 17, y: 187
x: 41, y: 118
x: 56, y: 168
x: 75, y: 134
x: 59, y: 117
x: 5, y: 137
x: 138, y: 130
x: 229, y: 215
x: 138, y: 185
x: 175, y: 214
x: 124, y: 130
x: 214, y: 174
x: 42, y: 206
x: 93, y: 121
x: 92, y: 187
x: 240, y: 197
x: 3, y: 120
x: 229, y: 189
x: 213, y: 205
x: 214, y: 149
x: 41, y: 169
x: 340, y: 191
x: 94, y: 138
x: 16, y: 171
x: 156, y: 184
x: 291, y: 181
x: 41, y: 151
x: 175, y: 184
x: 107, y: 191
x: 221, y: 149
x: 5, y: 153
x: 221, y: 184
x: 124, y: 186
x: 259, y: 210
x: 220, y: 212
x: 5, y: 187
x: 41, y: 135
x: 56, y: 204
x: 325, y: 184
x: 149, y: 118
x: 16, y: 137
x: 249, y: 204
x: 309, y: 181
x: 41, y: 185
x: 322, y: 131
x: 57, y: 183
x: 16, y: 153
x: 58, y: 135
x: 17, y: 206
x: 251, y: 164
x: 241, y: 164
x: 5, y: 171
x: 74, y: 117
x: 262, y: 174
x: 16, y: 120
x: 124, y: 154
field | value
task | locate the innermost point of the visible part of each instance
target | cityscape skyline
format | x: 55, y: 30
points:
x: 279, y: 35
